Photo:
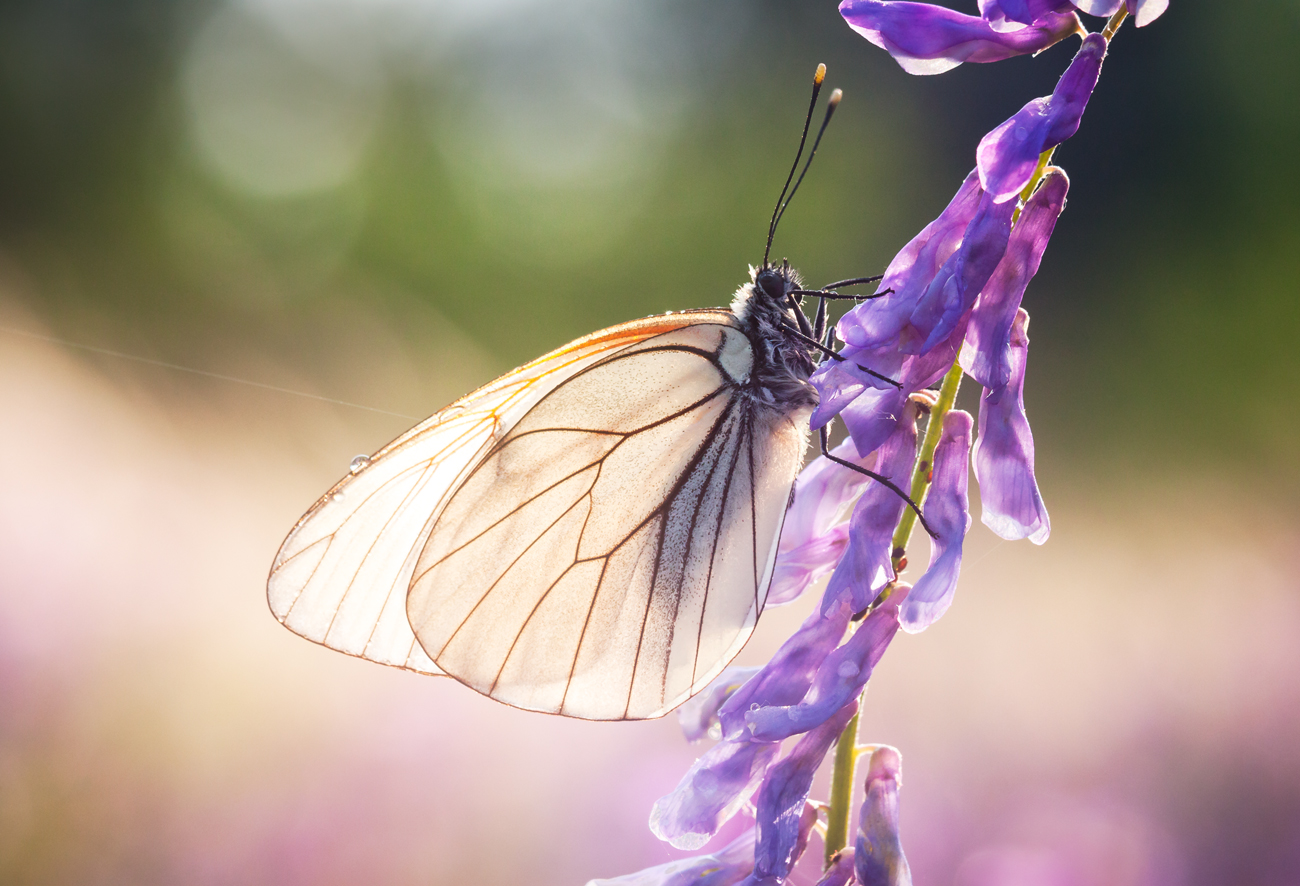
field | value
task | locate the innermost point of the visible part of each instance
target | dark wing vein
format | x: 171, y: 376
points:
x: 705, y: 486
x: 500, y: 447
x: 669, y: 499
x: 330, y: 538
x: 511, y: 565
x: 717, y: 532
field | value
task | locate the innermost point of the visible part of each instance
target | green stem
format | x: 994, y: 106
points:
x: 841, y: 800
x: 843, y: 776
x: 1113, y: 25
x: 924, y: 462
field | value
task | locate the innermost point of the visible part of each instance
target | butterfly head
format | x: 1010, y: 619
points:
x: 769, y: 312
x: 775, y: 282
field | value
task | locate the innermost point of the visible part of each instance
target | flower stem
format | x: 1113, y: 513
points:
x: 925, y: 461
x: 1113, y: 24
x: 843, y: 775
x: 846, y: 746
x: 841, y: 800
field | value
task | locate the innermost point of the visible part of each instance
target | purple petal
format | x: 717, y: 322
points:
x: 954, y: 288
x: 1007, y: 156
x: 839, y: 679
x: 781, y: 800
x: 872, y: 417
x: 985, y: 355
x: 840, y: 382
x: 786, y: 677
x: 816, y: 524
x: 877, y: 323
x: 727, y: 866
x: 1144, y: 12
x: 841, y: 870
x: 1009, y: 15
x: 1103, y: 8
x: 807, y: 820
x: 878, y: 854
x: 926, y: 39
x: 698, y: 717
x: 946, y: 509
x: 866, y: 568
x: 712, y: 790
x: 1004, y: 454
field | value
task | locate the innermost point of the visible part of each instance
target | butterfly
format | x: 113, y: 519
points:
x: 592, y: 534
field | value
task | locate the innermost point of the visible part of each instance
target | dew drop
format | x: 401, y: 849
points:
x: 715, y: 731
x: 1021, y: 133
x: 754, y: 706
x: 847, y: 669
x: 358, y: 463
x: 338, y: 496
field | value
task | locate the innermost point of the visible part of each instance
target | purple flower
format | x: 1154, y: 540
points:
x: 866, y: 568
x: 839, y: 382
x: 916, y: 330
x: 1007, y: 156
x: 1010, y: 15
x: 1004, y: 454
x: 878, y: 855
x: 1144, y: 12
x: 782, y: 800
x: 712, y: 790
x: 839, y: 679
x: 727, y: 866
x: 953, y: 290
x: 872, y: 417
x: 877, y: 324
x: 947, y: 511
x: 926, y: 39
x: 807, y: 818
x: 985, y: 355
x: 698, y: 717
x: 816, y: 524
x: 840, y: 871
x: 785, y: 679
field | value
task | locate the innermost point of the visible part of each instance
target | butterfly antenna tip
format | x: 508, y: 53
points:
x: 818, y: 78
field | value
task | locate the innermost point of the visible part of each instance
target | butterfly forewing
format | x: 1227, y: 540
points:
x: 341, y: 577
x: 609, y: 554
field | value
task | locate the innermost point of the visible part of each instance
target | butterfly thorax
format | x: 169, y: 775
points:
x: 767, y: 315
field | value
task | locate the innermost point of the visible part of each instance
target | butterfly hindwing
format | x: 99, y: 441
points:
x: 610, y: 553
x: 341, y: 576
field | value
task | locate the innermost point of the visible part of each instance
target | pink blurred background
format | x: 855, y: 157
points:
x: 1113, y: 708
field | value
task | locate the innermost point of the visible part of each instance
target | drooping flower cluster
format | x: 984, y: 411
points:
x: 949, y: 304
x: 927, y: 39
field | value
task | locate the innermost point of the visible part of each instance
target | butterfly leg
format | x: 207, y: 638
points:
x: 834, y: 355
x: 819, y: 324
x: 824, y: 438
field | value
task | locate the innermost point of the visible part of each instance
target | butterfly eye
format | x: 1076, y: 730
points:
x: 772, y: 283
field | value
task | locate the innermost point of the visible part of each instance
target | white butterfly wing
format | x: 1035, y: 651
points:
x: 611, y: 553
x: 592, y: 534
x: 341, y: 576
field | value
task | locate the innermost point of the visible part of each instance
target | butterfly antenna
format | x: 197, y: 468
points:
x: 830, y: 109
x: 818, y: 78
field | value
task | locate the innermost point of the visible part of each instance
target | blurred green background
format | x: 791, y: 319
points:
x: 387, y: 202
x: 194, y: 179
